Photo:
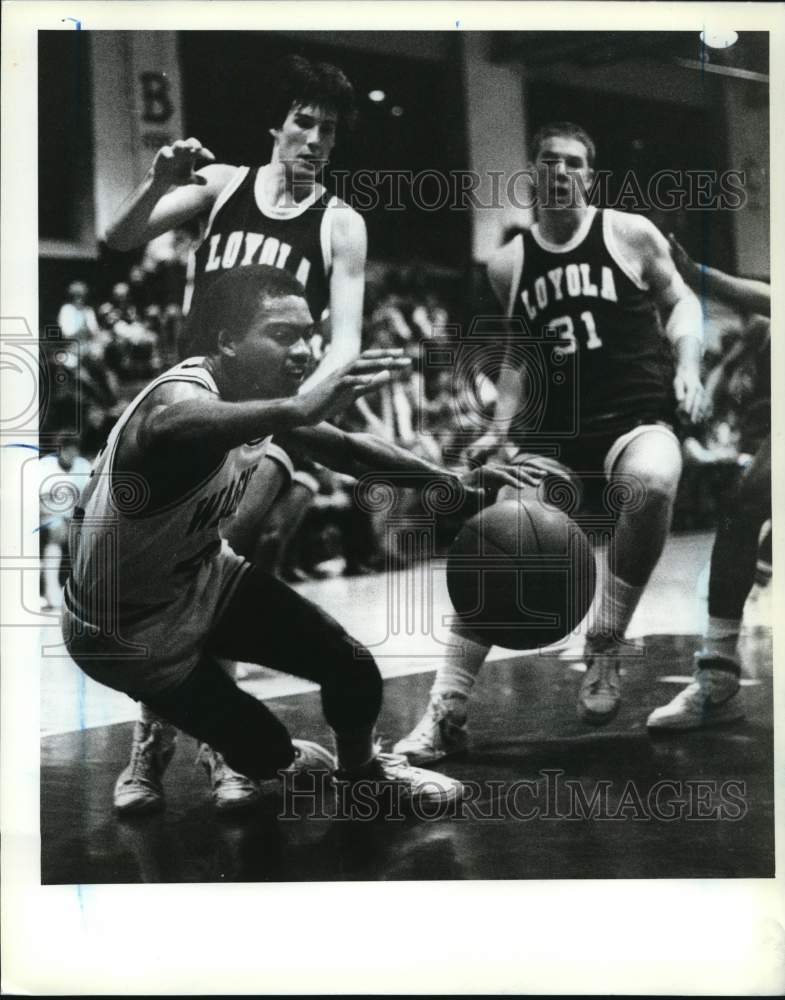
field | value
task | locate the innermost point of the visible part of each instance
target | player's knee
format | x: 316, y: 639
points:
x: 655, y: 472
x: 660, y: 483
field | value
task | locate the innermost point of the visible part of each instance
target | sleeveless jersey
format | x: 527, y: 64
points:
x: 596, y: 358
x: 129, y: 566
x: 243, y: 229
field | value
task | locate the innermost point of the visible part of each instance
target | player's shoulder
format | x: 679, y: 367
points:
x: 348, y: 226
x: 633, y: 231
x: 176, y: 388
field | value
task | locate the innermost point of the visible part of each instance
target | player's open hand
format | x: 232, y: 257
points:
x: 176, y: 164
x: 690, y: 397
x: 338, y: 391
x: 685, y: 265
x: 492, y: 477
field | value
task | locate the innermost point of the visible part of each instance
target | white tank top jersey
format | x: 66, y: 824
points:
x: 128, y: 565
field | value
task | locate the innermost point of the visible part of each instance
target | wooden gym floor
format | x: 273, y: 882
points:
x: 683, y: 805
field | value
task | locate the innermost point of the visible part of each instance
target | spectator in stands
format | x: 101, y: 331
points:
x: 76, y: 318
x: 62, y: 476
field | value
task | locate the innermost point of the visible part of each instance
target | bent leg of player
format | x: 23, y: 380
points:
x: 139, y: 787
x: 643, y: 469
x: 282, y: 523
x: 711, y: 698
x: 268, y: 622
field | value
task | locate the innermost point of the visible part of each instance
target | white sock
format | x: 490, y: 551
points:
x: 457, y: 673
x: 613, y: 608
x: 722, y: 638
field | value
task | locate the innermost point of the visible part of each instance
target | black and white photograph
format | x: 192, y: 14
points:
x: 388, y: 483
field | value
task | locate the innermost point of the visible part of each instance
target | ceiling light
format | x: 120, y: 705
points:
x: 377, y: 96
x: 719, y: 39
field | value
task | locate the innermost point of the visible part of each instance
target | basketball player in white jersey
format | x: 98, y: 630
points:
x: 279, y: 214
x: 600, y: 285
x: 156, y: 593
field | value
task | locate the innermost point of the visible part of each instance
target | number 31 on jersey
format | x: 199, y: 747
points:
x: 564, y: 328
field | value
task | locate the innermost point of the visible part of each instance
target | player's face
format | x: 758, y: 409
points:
x: 274, y: 357
x: 562, y: 172
x: 306, y: 139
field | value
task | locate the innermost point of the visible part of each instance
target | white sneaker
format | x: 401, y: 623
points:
x: 436, y: 736
x: 600, y: 694
x: 310, y: 757
x: 709, y: 701
x: 415, y: 785
x: 231, y: 791
x: 139, y: 787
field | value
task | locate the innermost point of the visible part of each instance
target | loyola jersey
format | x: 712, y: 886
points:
x: 244, y: 229
x: 132, y: 566
x: 589, y: 335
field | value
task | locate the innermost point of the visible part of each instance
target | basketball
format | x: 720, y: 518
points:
x: 521, y: 575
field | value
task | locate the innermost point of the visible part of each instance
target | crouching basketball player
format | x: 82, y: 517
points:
x: 156, y: 595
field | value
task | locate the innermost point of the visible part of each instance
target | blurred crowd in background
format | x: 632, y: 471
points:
x: 105, y: 344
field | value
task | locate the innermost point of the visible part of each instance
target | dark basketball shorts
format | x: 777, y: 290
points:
x: 582, y: 467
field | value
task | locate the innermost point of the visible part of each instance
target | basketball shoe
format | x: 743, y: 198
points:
x: 231, y: 791
x: 139, y: 787
x: 709, y: 701
x: 600, y: 694
x: 310, y: 757
x: 411, y: 787
x: 440, y: 733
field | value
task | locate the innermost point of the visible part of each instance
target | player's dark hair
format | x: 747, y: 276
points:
x: 568, y: 129
x: 299, y: 82
x: 232, y: 302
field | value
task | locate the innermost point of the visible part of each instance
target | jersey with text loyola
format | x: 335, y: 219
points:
x: 244, y: 229
x: 586, y: 330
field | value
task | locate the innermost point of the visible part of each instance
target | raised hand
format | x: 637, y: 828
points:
x: 175, y: 165
x: 338, y: 391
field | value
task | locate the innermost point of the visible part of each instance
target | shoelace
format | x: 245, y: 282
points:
x: 142, y: 762
x: 399, y: 764
x: 606, y: 672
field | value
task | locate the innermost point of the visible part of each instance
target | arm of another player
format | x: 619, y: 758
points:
x: 743, y: 293
x: 678, y: 306
x: 171, y: 193
x: 501, y: 270
x: 358, y: 454
x: 347, y: 287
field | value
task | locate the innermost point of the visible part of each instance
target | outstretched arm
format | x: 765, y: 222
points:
x: 359, y: 454
x: 171, y: 193
x: 743, y: 293
x: 347, y: 285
